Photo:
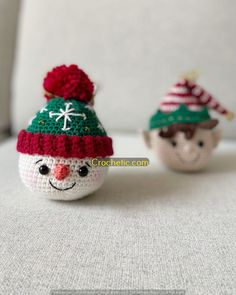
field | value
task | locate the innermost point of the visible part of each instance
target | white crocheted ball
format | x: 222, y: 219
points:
x: 59, y: 178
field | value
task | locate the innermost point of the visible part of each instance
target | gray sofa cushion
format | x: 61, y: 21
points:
x: 146, y: 228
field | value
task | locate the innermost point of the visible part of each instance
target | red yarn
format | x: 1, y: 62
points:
x: 63, y: 145
x: 68, y: 82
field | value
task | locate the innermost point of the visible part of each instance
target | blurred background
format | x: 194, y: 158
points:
x: 133, y: 49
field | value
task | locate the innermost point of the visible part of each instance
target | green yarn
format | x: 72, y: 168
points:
x: 80, y: 119
x: 182, y: 115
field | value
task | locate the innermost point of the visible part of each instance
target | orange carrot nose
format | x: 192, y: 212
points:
x: 61, y: 171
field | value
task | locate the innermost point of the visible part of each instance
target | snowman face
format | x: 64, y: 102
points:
x: 59, y: 178
x: 180, y: 153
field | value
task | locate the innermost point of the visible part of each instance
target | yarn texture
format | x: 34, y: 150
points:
x: 66, y: 127
x: 64, y: 146
x: 192, y: 95
x: 71, y: 187
x: 182, y: 131
x: 61, y: 136
x: 68, y: 82
x: 182, y: 115
x: 69, y: 117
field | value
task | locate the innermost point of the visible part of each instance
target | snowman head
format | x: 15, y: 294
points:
x: 57, y: 146
x: 59, y: 178
x: 184, y: 147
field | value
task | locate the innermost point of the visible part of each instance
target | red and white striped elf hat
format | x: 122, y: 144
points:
x: 187, y: 92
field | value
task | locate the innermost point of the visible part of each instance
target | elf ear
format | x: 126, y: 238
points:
x: 217, y: 135
x: 146, y: 138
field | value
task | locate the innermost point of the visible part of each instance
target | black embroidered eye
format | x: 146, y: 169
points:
x: 173, y: 143
x: 44, y: 170
x: 200, y: 143
x: 83, y: 171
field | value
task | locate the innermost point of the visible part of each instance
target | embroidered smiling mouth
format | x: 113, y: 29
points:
x: 188, y: 162
x: 62, y: 189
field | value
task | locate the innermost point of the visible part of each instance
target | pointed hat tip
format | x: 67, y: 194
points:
x: 192, y: 75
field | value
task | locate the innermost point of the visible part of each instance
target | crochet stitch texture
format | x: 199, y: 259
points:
x: 71, y: 187
x: 80, y: 119
x: 186, y: 103
x: 181, y: 115
x: 67, y: 126
x: 67, y: 82
x: 64, y: 146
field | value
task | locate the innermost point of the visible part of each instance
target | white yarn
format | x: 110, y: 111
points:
x: 76, y: 186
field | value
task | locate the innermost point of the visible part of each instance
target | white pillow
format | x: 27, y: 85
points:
x: 135, y: 50
x: 8, y: 20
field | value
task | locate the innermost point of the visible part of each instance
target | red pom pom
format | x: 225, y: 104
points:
x: 68, y: 82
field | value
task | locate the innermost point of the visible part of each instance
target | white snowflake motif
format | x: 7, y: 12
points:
x: 99, y: 126
x: 89, y: 107
x: 44, y: 109
x: 65, y: 114
x: 31, y: 120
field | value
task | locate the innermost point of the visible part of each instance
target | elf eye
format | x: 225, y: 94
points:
x: 200, y: 143
x: 173, y: 143
x: 44, y: 170
x: 83, y: 171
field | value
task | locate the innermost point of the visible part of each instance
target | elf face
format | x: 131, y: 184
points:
x: 182, y: 153
x: 59, y: 178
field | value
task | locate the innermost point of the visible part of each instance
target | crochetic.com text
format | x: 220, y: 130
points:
x: 120, y: 162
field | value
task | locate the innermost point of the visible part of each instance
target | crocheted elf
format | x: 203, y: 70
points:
x: 182, y: 132
x: 57, y: 147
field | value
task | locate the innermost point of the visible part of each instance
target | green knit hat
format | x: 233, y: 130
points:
x: 67, y: 126
x: 182, y: 115
x: 66, y: 117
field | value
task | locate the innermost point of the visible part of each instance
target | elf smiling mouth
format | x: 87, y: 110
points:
x: 188, y: 162
x: 62, y: 189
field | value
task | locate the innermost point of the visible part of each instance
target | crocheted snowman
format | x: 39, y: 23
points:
x: 60, y: 141
x: 182, y: 133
